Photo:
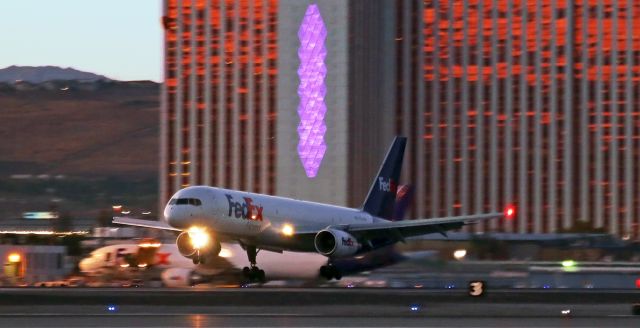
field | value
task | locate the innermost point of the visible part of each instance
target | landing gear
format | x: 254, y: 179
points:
x: 330, y: 271
x: 253, y: 273
x: 197, y: 259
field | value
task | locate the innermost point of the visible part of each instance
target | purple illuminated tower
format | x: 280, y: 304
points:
x: 312, y: 71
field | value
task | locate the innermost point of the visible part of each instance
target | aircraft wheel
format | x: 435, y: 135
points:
x: 330, y: 272
x: 324, y: 272
x: 261, y: 277
x: 195, y: 261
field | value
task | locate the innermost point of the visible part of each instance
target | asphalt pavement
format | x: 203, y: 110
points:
x: 347, y: 307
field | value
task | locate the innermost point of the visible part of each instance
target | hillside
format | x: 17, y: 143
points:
x: 101, y: 136
x: 39, y: 74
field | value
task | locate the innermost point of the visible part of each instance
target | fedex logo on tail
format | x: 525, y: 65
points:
x: 387, y: 184
x: 244, y: 210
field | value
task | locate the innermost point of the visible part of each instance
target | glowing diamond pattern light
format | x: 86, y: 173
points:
x: 312, y: 72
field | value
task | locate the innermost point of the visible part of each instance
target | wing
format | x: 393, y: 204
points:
x: 143, y: 223
x: 403, y: 229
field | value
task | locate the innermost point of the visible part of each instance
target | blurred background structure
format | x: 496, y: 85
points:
x: 532, y: 103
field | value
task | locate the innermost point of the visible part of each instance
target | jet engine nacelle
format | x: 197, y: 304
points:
x: 187, y: 246
x: 336, y: 243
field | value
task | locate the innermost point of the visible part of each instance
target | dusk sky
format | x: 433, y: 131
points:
x: 121, y: 39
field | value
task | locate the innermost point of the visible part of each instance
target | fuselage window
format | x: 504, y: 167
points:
x: 188, y: 201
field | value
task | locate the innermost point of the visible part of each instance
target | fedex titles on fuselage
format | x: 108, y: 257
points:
x: 247, y: 210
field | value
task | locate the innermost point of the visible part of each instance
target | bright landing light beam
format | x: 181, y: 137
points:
x: 199, y: 237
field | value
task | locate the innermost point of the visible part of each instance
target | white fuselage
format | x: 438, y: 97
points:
x: 237, y: 215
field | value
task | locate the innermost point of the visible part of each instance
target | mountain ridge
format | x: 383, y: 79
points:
x: 41, y: 74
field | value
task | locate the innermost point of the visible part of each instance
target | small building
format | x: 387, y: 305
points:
x: 29, y: 264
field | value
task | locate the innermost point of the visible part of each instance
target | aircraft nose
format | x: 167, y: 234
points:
x: 175, y: 215
x: 170, y: 215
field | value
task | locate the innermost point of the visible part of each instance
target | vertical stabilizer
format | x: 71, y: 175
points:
x: 381, y: 199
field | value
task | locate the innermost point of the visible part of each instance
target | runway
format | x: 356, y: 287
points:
x: 267, y: 307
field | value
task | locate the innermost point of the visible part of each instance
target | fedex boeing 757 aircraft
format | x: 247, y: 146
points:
x: 206, y: 216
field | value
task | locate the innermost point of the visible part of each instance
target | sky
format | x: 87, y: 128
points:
x: 121, y: 39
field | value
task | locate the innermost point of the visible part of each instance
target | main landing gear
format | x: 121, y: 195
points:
x: 330, y: 271
x: 253, y: 274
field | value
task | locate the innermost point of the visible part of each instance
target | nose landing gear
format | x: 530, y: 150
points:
x: 198, y: 259
x: 253, y: 273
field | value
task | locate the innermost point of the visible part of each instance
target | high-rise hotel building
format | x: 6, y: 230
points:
x: 532, y: 103
x: 529, y: 102
x: 283, y: 97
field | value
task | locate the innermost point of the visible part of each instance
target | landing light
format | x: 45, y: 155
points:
x: 199, y: 237
x: 287, y: 230
x: 14, y: 258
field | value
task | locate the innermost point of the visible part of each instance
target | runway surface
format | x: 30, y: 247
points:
x: 267, y: 307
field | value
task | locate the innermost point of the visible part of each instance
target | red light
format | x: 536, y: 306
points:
x: 638, y: 283
x: 509, y: 212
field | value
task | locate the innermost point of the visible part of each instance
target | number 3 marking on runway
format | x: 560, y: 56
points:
x: 476, y: 288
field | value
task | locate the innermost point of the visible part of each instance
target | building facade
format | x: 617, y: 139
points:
x: 276, y: 96
x: 532, y: 103
x: 219, y: 98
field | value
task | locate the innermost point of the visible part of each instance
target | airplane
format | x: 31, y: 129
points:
x: 176, y: 270
x: 164, y: 261
x: 207, y: 216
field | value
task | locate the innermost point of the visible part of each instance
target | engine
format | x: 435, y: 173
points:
x: 198, y: 244
x: 336, y: 243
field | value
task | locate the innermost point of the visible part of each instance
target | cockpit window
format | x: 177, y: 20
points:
x: 173, y: 201
x: 186, y: 201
